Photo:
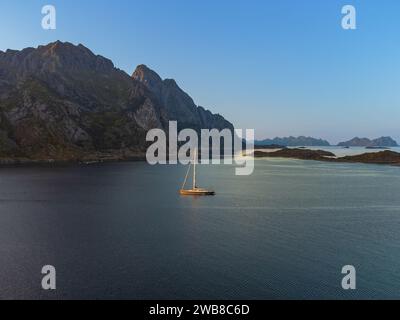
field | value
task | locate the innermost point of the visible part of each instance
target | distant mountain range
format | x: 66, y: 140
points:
x: 309, y: 142
x: 365, y: 142
x: 63, y: 102
x: 293, y: 142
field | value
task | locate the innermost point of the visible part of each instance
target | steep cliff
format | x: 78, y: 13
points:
x: 63, y: 102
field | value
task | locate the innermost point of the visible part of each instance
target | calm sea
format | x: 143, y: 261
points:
x: 122, y: 231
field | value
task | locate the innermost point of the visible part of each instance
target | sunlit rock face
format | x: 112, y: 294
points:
x: 62, y: 101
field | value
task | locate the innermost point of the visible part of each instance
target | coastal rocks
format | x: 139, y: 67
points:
x: 382, y: 157
x: 303, y: 154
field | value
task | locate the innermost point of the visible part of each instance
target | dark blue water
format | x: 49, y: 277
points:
x: 122, y: 231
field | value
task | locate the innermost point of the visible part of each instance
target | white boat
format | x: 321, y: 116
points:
x: 195, y: 191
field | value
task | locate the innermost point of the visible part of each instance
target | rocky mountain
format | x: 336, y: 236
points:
x: 384, y: 142
x: 63, y: 102
x: 293, y: 142
x: 178, y: 104
x: 365, y: 142
x: 356, y: 142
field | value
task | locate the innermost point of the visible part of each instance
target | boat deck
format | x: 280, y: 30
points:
x: 197, y: 192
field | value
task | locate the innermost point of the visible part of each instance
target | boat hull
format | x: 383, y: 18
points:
x: 197, y: 192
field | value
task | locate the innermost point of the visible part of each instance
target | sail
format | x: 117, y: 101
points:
x: 194, y: 168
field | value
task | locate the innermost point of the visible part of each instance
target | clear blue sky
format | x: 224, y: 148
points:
x: 281, y: 67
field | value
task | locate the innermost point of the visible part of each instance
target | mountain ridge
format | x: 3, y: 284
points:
x: 365, y: 142
x: 177, y: 102
x: 384, y: 141
x: 293, y: 141
x: 61, y: 101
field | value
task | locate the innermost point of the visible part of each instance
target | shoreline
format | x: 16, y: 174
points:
x: 26, y: 162
x: 386, y: 157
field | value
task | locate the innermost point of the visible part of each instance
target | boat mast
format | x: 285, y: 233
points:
x: 187, y: 175
x: 194, y: 168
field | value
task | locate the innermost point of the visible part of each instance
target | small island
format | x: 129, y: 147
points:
x: 297, y: 153
x: 382, y: 157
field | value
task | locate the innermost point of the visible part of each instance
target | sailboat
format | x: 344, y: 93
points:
x: 195, y: 191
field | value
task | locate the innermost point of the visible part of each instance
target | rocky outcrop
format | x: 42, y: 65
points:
x: 178, y: 104
x: 63, y: 102
x: 382, y: 157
